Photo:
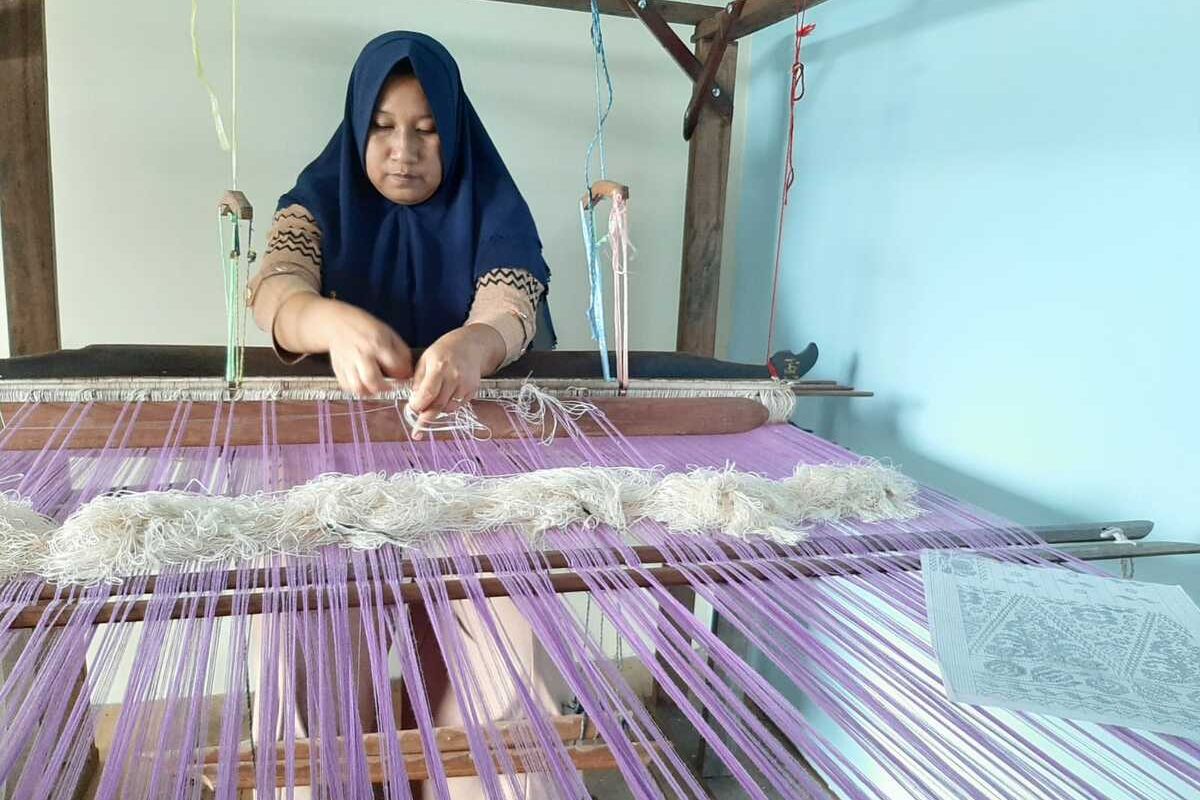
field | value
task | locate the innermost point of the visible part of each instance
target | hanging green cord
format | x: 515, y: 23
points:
x: 230, y: 260
x: 235, y: 310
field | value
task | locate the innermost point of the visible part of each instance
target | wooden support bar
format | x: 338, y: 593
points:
x: 757, y: 15
x: 703, y: 86
x: 720, y: 99
x: 103, y: 424
x: 585, y: 757
x: 646, y: 555
x: 704, y: 219
x: 26, y: 201
x: 450, y: 739
x: 676, y: 13
x: 60, y: 613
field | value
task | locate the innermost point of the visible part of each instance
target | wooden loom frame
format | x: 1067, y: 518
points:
x: 26, y: 198
x: 585, y: 748
x: 26, y: 225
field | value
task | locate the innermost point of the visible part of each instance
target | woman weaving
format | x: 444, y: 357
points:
x: 407, y: 231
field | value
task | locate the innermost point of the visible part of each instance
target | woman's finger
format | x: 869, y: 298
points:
x: 426, y: 391
x: 440, y: 404
x: 370, y: 376
x: 462, y: 395
x: 345, y: 376
x: 396, y: 359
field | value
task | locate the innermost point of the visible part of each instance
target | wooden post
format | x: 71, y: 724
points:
x: 704, y: 218
x: 26, y: 206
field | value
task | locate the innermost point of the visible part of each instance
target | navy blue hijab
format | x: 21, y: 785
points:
x: 415, y: 267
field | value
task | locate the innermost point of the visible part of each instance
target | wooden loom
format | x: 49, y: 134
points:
x: 40, y: 426
x: 707, y: 122
x: 106, y: 379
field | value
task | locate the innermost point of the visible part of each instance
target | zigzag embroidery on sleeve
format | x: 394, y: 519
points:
x: 519, y: 279
x: 297, y: 242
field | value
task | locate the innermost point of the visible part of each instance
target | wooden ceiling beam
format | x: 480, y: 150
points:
x: 756, y: 15
x: 673, y: 11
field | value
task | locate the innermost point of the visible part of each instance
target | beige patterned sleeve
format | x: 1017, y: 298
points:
x: 507, y: 299
x: 290, y: 266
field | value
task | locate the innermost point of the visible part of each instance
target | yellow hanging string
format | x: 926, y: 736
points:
x: 214, y: 103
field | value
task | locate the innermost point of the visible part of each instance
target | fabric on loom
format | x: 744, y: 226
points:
x: 1053, y: 641
x: 840, y: 618
x: 506, y: 298
x: 123, y: 534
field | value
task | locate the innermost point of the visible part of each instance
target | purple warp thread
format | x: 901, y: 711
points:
x: 852, y: 645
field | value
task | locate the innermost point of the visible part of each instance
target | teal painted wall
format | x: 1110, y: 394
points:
x: 994, y: 227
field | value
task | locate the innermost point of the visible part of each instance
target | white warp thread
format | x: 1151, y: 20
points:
x: 124, y: 534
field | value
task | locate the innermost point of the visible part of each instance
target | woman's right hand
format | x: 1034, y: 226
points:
x: 363, y: 350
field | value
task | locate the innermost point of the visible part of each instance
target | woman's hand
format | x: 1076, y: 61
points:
x: 363, y: 350
x: 450, y: 370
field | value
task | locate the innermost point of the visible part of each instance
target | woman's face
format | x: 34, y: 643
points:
x: 404, y: 152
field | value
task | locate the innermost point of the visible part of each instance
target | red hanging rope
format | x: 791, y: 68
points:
x: 795, y: 95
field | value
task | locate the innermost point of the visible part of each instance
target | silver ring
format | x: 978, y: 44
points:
x: 457, y: 399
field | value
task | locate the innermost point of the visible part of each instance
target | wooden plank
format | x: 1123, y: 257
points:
x: 26, y: 203
x: 585, y: 757
x: 676, y: 13
x: 95, y: 426
x: 1090, y: 533
x: 704, y: 219
x: 757, y: 14
x: 449, y: 739
x: 60, y: 612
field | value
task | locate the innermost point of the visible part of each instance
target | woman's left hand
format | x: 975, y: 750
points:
x: 450, y: 369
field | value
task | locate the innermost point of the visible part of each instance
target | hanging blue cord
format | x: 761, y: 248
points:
x: 588, y: 216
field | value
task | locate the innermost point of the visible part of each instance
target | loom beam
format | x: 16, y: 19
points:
x: 584, y: 757
x: 577, y: 728
x: 758, y: 14
x: 577, y: 733
x: 642, y: 554
x: 673, y: 11
x: 156, y: 425
x: 58, y: 613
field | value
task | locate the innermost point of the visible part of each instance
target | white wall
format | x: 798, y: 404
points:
x: 137, y: 170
